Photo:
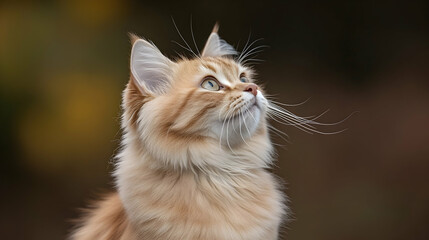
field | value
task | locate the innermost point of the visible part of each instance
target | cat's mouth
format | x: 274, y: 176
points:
x: 246, y: 110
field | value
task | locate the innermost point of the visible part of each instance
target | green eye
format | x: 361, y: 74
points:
x: 210, y: 84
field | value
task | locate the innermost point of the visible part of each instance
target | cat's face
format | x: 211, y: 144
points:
x: 212, y: 97
x: 208, y: 102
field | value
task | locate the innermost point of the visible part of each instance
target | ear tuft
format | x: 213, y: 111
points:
x: 151, y: 70
x: 133, y: 37
x: 217, y: 47
x: 215, y: 28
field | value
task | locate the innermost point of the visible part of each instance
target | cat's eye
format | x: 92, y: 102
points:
x: 211, y: 84
x: 243, y: 78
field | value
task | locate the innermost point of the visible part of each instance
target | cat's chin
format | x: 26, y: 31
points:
x: 241, y: 127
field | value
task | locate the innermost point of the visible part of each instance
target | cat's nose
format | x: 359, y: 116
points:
x: 251, y: 87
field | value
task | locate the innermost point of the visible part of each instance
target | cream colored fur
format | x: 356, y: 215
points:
x: 194, y: 162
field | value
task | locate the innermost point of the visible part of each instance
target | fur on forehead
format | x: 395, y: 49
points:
x: 214, y: 66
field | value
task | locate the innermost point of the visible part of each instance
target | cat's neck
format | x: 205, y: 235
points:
x: 208, y: 157
x: 135, y: 161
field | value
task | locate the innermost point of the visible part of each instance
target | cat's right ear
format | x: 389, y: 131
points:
x: 151, y: 70
x: 217, y: 47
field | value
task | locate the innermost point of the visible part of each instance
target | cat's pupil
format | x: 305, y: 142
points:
x: 243, y: 79
x: 211, y: 84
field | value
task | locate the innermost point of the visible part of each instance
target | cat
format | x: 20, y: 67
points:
x: 195, y: 154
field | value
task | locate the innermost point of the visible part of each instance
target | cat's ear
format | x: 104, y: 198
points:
x: 150, y: 69
x: 217, y: 47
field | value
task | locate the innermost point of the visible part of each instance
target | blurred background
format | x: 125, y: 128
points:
x: 63, y: 65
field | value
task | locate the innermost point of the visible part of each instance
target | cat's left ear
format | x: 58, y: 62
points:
x: 217, y: 47
x: 150, y: 69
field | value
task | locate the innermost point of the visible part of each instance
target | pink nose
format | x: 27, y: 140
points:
x: 253, y: 88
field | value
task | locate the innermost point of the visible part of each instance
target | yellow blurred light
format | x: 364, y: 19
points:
x: 75, y: 123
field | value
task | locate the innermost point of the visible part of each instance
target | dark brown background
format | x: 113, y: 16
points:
x: 63, y: 65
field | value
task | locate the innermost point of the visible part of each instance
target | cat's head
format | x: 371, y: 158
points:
x: 195, y: 112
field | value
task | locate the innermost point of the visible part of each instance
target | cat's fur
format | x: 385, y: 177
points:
x: 193, y: 161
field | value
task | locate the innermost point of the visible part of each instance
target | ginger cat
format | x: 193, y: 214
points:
x: 195, y: 153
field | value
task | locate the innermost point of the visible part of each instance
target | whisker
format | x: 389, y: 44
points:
x: 287, y: 104
x: 189, y: 48
x: 303, y: 124
x: 193, y: 39
x: 279, y: 133
x: 295, y: 125
x: 285, y: 112
x: 291, y: 117
x: 221, y: 131
x: 248, y: 55
x: 311, y: 120
x: 244, y: 121
x: 245, y: 46
x: 227, y: 137
x: 245, y: 50
x: 334, y: 123
x: 252, y: 60
x: 251, y: 52
x: 180, y: 45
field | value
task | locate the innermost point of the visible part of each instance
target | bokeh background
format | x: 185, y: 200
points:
x: 63, y: 65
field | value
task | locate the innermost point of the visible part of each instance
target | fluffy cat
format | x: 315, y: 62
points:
x: 195, y: 153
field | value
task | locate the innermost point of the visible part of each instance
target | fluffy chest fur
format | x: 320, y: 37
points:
x: 163, y: 204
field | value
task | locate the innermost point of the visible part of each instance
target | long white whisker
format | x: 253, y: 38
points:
x: 312, y: 119
x: 223, y: 124
x: 245, y: 46
x: 180, y: 45
x: 297, y: 126
x: 331, y: 124
x: 189, y: 48
x: 221, y: 110
x: 252, y: 51
x: 227, y: 137
x: 287, y: 113
x: 292, y: 119
x: 245, y: 50
x: 306, y: 127
x: 279, y: 133
x: 234, y: 110
x: 289, y: 105
x: 244, y: 121
x: 252, y: 60
x: 193, y: 39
